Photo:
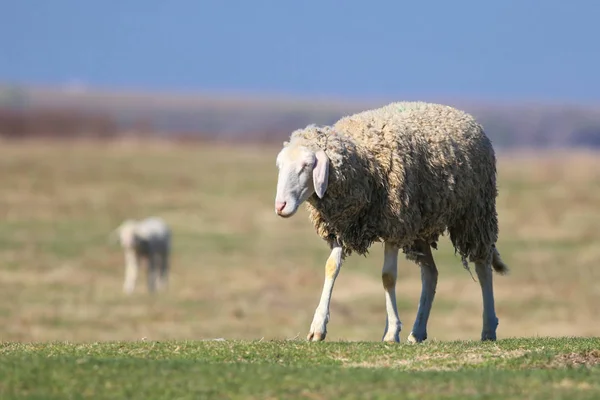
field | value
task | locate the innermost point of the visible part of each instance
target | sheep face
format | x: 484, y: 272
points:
x: 127, y: 235
x: 302, y: 172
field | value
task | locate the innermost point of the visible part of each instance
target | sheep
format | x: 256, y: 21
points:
x: 403, y: 175
x: 148, y: 239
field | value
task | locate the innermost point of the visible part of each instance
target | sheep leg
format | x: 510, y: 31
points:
x: 490, y: 321
x: 152, y: 272
x: 131, y: 271
x: 429, y: 278
x: 163, y: 277
x: 318, y: 328
x: 389, y: 274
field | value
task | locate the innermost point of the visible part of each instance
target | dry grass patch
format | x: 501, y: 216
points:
x: 442, y: 361
x: 588, y: 358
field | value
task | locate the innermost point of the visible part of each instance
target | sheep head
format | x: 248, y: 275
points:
x: 302, y: 172
x: 126, y: 233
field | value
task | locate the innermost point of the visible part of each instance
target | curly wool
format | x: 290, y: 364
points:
x: 404, y: 172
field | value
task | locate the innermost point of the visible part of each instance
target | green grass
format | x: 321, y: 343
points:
x: 539, y: 368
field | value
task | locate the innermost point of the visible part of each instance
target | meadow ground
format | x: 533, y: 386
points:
x: 241, y: 273
x: 558, y: 368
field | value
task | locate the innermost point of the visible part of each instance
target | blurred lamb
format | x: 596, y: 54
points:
x: 403, y: 174
x: 148, y: 239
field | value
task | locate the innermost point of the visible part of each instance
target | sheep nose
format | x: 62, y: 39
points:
x: 279, y: 206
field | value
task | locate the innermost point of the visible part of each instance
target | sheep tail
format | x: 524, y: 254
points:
x: 497, y: 263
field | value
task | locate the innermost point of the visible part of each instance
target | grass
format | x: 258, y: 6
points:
x: 539, y: 368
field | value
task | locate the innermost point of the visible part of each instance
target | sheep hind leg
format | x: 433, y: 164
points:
x: 490, y: 320
x: 318, y: 328
x: 429, y: 278
x: 152, y: 272
x: 163, y: 276
x: 389, y: 275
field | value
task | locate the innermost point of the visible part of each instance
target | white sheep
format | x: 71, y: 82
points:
x: 403, y: 174
x: 148, y: 239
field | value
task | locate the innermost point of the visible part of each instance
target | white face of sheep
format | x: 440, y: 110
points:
x: 302, y: 172
x: 127, y: 234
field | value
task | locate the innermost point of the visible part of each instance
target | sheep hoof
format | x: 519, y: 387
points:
x: 316, y: 336
x: 318, y: 327
x: 391, y: 339
x: 416, y: 338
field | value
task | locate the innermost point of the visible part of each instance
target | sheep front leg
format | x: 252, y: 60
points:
x: 389, y: 274
x: 318, y: 328
x: 429, y: 278
x: 490, y: 321
x: 131, y: 270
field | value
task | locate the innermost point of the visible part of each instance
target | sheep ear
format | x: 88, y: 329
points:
x: 321, y: 173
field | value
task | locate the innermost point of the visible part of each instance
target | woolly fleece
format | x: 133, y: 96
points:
x: 404, y: 172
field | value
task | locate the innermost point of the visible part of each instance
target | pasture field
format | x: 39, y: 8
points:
x: 242, y: 274
x: 558, y: 368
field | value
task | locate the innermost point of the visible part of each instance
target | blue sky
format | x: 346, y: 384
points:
x: 473, y: 49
